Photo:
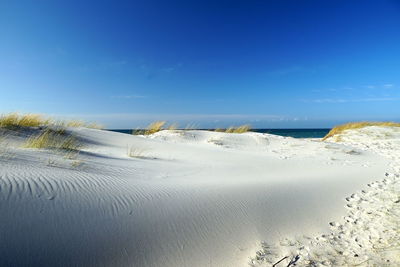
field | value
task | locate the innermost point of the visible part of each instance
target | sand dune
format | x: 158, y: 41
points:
x: 368, y: 233
x: 184, y: 198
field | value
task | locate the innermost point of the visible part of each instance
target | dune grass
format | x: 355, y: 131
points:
x: 16, y: 120
x: 79, y: 123
x: 235, y: 129
x: 162, y: 125
x: 155, y: 127
x: 220, y: 130
x: 54, y: 139
x: 357, y: 125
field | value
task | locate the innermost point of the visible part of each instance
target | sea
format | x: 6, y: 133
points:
x: 296, y: 133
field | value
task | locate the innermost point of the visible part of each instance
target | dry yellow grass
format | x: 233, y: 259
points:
x: 357, y: 125
x: 154, y: 127
x: 161, y: 125
x: 220, y: 130
x: 16, y: 120
x: 237, y: 129
x: 75, y: 123
x: 79, y: 123
x: 56, y: 139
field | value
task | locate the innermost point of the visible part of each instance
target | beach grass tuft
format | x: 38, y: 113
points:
x: 54, y: 139
x: 220, y: 130
x: 357, y: 125
x: 162, y: 125
x: 79, y: 123
x: 17, y: 120
x: 154, y: 127
x: 235, y: 129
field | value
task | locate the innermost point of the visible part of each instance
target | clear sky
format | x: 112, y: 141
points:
x: 214, y: 63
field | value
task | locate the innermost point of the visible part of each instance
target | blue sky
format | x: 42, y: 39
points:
x: 213, y: 63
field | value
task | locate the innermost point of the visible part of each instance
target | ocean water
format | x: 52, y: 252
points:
x: 296, y: 133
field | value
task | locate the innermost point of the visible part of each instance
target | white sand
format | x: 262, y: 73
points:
x: 191, y: 198
x: 369, y: 233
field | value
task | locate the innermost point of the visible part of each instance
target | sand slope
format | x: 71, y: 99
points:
x: 368, y: 233
x: 187, y: 198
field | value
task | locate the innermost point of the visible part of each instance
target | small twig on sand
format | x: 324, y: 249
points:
x: 276, y: 263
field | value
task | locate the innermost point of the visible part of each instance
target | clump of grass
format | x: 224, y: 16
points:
x: 357, y: 125
x: 154, y: 127
x: 75, y: 123
x: 55, y: 139
x: 16, y: 120
x: 242, y: 129
x: 238, y: 129
x: 79, y: 123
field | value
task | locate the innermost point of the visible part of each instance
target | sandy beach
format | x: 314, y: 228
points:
x: 188, y: 198
x: 368, y: 233
x: 200, y: 133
